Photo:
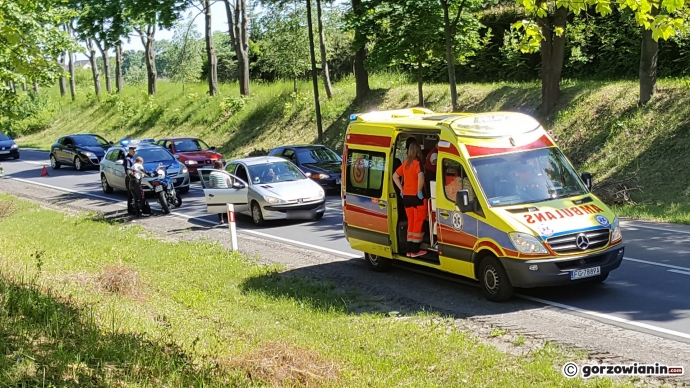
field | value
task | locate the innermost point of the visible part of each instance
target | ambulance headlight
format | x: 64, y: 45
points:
x: 616, y: 234
x: 526, y: 243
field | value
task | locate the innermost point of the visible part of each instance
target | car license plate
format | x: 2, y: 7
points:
x: 337, y: 181
x: 585, y: 273
x: 4, y: 152
x: 158, y: 189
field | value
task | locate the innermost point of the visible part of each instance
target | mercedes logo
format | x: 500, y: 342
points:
x: 582, y: 241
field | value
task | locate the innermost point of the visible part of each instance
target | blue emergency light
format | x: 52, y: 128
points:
x: 353, y: 116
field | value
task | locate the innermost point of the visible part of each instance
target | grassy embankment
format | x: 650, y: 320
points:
x: 638, y: 155
x: 102, y: 304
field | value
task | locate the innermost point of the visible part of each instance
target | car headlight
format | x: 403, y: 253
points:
x: 526, y: 243
x: 273, y: 200
x: 14, y: 146
x: 616, y: 233
x: 89, y: 154
x: 190, y: 162
x: 321, y: 194
x: 184, y: 170
x: 307, y: 174
x: 323, y: 176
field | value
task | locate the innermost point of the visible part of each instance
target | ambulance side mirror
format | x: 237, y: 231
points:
x: 462, y: 201
x: 587, y: 179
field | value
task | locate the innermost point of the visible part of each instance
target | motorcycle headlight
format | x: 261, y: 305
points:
x: 616, y: 234
x: 273, y: 200
x: 526, y: 243
x: 190, y: 162
x: 14, y: 146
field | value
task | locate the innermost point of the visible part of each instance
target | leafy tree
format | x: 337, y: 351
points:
x: 324, y: 53
x: 359, y: 46
x: 285, y: 43
x: 31, y: 40
x: 227, y: 65
x: 185, y: 53
x: 546, y: 32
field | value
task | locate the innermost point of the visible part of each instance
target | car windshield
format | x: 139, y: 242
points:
x: 317, y: 155
x: 527, y: 177
x: 4, y: 137
x: 155, y: 155
x: 190, y: 145
x: 89, y: 141
x: 275, y: 172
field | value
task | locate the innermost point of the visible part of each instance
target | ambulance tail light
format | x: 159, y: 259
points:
x: 616, y: 233
x: 526, y: 243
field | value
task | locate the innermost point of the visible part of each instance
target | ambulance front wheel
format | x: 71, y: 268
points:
x: 378, y: 263
x: 493, y: 280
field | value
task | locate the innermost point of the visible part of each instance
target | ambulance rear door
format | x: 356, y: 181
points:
x: 365, y: 202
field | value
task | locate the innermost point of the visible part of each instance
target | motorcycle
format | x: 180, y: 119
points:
x: 163, y: 188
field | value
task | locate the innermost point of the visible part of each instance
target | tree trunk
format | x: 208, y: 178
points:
x: 294, y: 84
x: 35, y: 87
x: 118, y: 67
x: 420, y: 81
x: 94, y: 66
x: 314, y: 77
x: 72, y: 84
x: 147, y: 39
x: 450, y: 59
x: 106, y: 65
x: 361, y: 73
x: 10, y: 84
x: 63, y: 82
x: 648, y: 63
x: 322, y: 47
x: 23, y: 87
x: 552, y: 58
x: 210, y: 53
x: 238, y: 25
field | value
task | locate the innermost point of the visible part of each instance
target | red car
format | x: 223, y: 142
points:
x: 192, y: 151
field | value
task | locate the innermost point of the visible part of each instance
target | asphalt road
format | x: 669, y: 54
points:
x: 650, y: 292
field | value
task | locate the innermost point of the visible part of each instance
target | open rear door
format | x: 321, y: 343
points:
x: 218, y: 199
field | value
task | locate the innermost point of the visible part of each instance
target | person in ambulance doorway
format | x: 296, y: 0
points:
x: 413, y: 198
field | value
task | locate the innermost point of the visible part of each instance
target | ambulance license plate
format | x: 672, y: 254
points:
x: 585, y: 273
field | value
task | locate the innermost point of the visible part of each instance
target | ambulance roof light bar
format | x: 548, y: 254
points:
x: 492, y: 125
x: 389, y: 114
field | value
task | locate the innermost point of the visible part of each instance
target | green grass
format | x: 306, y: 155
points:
x: 86, y: 302
x: 637, y: 155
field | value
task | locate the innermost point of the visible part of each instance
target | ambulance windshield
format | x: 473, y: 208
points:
x: 527, y: 177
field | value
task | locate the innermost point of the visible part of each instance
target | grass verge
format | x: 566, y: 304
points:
x: 90, y: 303
x: 637, y: 154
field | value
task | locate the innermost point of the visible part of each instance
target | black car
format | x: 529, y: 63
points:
x: 8, y: 148
x: 318, y: 162
x: 81, y: 151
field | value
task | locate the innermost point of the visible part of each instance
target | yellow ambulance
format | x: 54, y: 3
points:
x: 505, y: 206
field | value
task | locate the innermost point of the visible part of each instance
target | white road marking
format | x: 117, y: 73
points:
x: 46, y: 163
x: 657, y: 228
x: 657, y: 264
x: 606, y: 316
x: 680, y: 272
x: 349, y: 255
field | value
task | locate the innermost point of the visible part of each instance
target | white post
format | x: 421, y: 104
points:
x: 231, y: 225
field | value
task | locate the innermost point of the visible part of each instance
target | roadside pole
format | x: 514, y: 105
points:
x: 231, y: 225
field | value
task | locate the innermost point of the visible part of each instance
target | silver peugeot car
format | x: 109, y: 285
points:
x: 113, y: 169
x: 265, y: 188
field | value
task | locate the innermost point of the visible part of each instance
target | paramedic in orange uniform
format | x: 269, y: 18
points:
x: 413, y: 198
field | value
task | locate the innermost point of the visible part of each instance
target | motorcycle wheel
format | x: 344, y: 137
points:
x: 176, y: 199
x: 164, y: 202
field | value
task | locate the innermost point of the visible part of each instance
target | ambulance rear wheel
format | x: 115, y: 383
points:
x: 378, y: 263
x: 493, y: 280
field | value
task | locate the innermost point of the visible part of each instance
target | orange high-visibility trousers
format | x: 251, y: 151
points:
x: 415, y: 221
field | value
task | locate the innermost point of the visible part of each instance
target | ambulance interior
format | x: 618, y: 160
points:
x: 427, y: 142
